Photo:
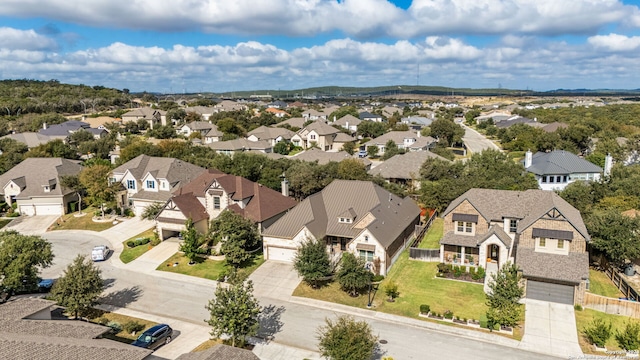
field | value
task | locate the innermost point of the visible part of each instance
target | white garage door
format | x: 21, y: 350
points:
x: 550, y: 292
x: 28, y: 210
x: 281, y: 254
x: 49, y: 209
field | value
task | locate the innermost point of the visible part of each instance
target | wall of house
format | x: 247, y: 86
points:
x: 378, y: 253
x: 124, y: 181
x: 224, y: 203
x: 578, y: 244
x: 465, y: 208
x: 292, y: 243
x: 11, y: 189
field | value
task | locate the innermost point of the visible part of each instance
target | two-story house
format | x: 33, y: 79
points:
x: 154, y: 117
x: 407, y: 140
x: 271, y: 134
x: 535, y: 229
x: 348, y: 122
x: 556, y: 169
x: 148, y: 180
x: 318, y: 133
x: 201, y: 127
x: 356, y: 216
x: 206, y: 196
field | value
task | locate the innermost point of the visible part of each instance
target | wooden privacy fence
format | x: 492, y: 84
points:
x: 421, y: 230
x: 629, y: 292
x: 612, y: 306
x: 432, y: 255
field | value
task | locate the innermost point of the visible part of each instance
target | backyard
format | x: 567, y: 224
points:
x: 207, y: 268
x: 432, y: 238
x: 129, y: 254
x: 85, y: 222
x: 600, y: 284
x: 584, y: 319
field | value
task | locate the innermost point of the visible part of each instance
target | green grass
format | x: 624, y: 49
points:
x: 600, y: 284
x: 4, y: 222
x: 129, y: 254
x: 122, y: 336
x: 417, y: 285
x: 208, y: 269
x: 432, y: 238
x: 584, y: 319
x: 70, y: 222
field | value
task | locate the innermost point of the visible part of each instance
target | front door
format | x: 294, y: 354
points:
x: 494, y: 253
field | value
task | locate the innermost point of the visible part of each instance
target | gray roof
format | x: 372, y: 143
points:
x: 321, y: 128
x: 529, y: 206
x: 320, y: 212
x: 560, y: 162
x: 145, y: 112
x: 31, y: 139
x: 347, y: 119
x: 295, y: 122
x: 22, y: 337
x: 177, y: 172
x: 268, y: 133
x: 404, y: 166
x: 220, y: 352
x: 239, y: 145
x: 572, y: 268
x: 33, y: 173
x: 512, y: 121
x: 64, y: 129
x: 399, y: 136
x: 200, y: 125
x: 421, y: 120
x: 325, y: 157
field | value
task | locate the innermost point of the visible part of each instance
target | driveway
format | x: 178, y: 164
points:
x: 275, y: 279
x: 550, y: 328
x: 126, y: 229
x: 31, y: 225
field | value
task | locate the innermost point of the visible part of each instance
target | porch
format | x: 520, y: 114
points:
x: 461, y: 255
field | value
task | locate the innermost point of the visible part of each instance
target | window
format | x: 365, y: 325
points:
x: 468, y: 227
x: 464, y: 227
x: 216, y: 202
x: 313, y: 137
x: 564, y: 179
x: 544, y: 179
x: 345, y: 220
x: 513, y: 225
x: 131, y: 184
x: 366, y: 238
x: 542, y: 242
x: 551, y: 179
x: 558, y: 178
x: 560, y: 244
x: 47, y: 189
x: 151, y: 184
x: 112, y: 180
x: 460, y: 226
x: 366, y: 255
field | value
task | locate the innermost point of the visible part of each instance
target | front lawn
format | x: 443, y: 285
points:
x: 432, y: 238
x: 4, y: 222
x: 600, y: 284
x: 584, y: 319
x: 106, y: 318
x: 206, y: 268
x: 417, y: 284
x: 71, y: 222
x: 129, y: 254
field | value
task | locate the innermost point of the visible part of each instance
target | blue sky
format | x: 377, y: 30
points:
x: 222, y: 45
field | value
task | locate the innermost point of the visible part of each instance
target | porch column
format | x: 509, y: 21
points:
x: 462, y: 255
x: 441, y: 253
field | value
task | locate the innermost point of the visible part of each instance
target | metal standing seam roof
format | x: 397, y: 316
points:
x: 560, y: 162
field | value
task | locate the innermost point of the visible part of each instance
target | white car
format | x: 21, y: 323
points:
x: 100, y: 253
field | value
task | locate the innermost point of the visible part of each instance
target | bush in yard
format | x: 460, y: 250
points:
x: 377, y: 278
x: 115, y: 326
x: 391, y: 290
x: 478, y: 274
x: 131, y: 244
x: 577, y: 307
x: 352, y: 274
x: 629, y: 338
x: 424, y: 309
x: 598, y: 332
x: 312, y: 262
x: 102, y: 320
x: 457, y: 271
x: 448, y: 314
x: 346, y: 339
x: 132, y: 327
x: 504, y: 295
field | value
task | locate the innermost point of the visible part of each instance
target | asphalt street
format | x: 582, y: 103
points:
x: 475, y: 141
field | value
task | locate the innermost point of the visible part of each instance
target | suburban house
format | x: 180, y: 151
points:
x: 63, y: 130
x: 207, y: 195
x: 313, y: 114
x: 325, y: 157
x: 556, y: 169
x: 408, y: 140
x: 270, y: 134
x: 230, y: 147
x: 404, y: 168
x: 348, y: 122
x: 31, y: 139
x: 349, y: 215
x: 341, y: 139
x: 201, y: 127
x: 279, y: 113
x: 317, y: 133
x: 367, y: 116
x: 295, y: 122
x: 153, y: 116
x: 35, y: 186
x: 535, y: 229
x: 204, y: 111
x: 150, y: 180
x: 29, y: 331
x: 417, y: 122
x: 229, y: 105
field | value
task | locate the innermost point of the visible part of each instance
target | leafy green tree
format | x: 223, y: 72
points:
x: 163, y: 132
x: 352, y: 274
x: 390, y: 150
x: 95, y: 180
x: 371, y: 129
x: 372, y: 151
x: 346, y: 339
x: 447, y: 131
x: 616, y: 235
x: 80, y: 287
x: 54, y: 148
x: 349, y: 148
x: 21, y: 258
x: 151, y: 211
x: 504, y: 293
x: 191, y: 242
x: 239, y: 236
x: 234, y: 312
x: 352, y: 169
x: 598, y: 332
x: 312, y: 262
x: 345, y: 110
x: 282, y: 148
x: 12, y: 154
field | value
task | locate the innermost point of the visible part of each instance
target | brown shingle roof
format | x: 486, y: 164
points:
x: 190, y: 207
x: 572, y: 268
x: 220, y: 352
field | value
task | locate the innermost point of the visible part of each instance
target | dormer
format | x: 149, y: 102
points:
x: 347, y: 217
x: 150, y: 183
x: 50, y: 185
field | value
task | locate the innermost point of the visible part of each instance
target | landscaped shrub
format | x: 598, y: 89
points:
x: 448, y: 314
x: 424, y: 309
x: 102, y: 320
x: 155, y: 241
x: 222, y: 276
x: 391, y: 290
x: 598, y: 332
x: 484, y: 323
x: 377, y: 278
x: 577, y: 307
x: 132, y: 327
x: 442, y: 268
x: 472, y: 272
x: 115, y: 326
x: 457, y: 271
x: 629, y: 338
x: 13, y: 214
x: 142, y: 241
x: 478, y: 274
x: 131, y: 243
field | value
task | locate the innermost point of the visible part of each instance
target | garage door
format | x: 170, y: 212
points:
x: 545, y: 291
x: 281, y: 254
x: 49, y: 209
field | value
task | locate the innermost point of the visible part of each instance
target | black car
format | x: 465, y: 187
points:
x: 154, y: 337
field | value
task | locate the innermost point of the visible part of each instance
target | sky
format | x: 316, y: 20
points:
x: 176, y: 46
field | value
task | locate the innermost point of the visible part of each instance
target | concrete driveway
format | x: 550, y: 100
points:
x: 550, y: 328
x: 31, y: 225
x: 275, y: 279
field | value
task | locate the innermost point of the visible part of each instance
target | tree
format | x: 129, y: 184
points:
x: 349, y: 147
x: 372, y: 151
x: 95, y: 180
x: 80, y: 286
x: 282, y: 148
x: 390, y: 149
x: 345, y: 110
x: 234, y: 312
x: 504, y: 294
x: 598, y: 332
x: 352, y: 169
x: 163, y: 132
x: 21, y: 258
x: 150, y: 212
x: 447, y: 131
x: 616, y: 235
x: 346, y: 339
x: 239, y: 236
x: 312, y: 262
x: 191, y: 242
x: 54, y: 148
x: 371, y: 129
x: 352, y: 274
x: 629, y: 338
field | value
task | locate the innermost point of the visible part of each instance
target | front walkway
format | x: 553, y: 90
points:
x: 551, y: 328
x: 275, y: 279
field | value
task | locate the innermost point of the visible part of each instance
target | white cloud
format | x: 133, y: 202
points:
x: 615, y: 42
x: 24, y: 39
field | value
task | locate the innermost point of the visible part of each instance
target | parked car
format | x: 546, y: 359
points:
x: 45, y: 285
x: 154, y: 337
x: 100, y: 253
x: 362, y: 153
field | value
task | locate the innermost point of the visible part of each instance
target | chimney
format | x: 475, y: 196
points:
x: 44, y: 126
x: 346, y: 125
x: 528, y: 158
x: 285, y: 186
x: 608, y: 164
